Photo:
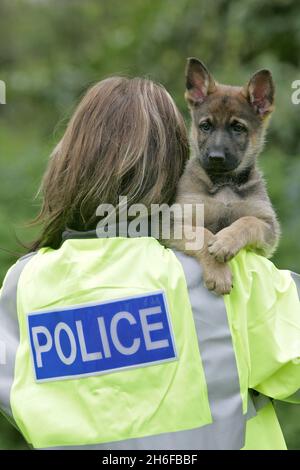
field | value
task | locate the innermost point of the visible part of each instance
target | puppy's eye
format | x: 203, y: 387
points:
x: 238, y: 127
x: 205, y: 126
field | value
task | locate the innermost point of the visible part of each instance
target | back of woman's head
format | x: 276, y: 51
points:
x: 126, y: 138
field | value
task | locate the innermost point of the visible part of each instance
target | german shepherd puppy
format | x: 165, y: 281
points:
x: 227, y: 134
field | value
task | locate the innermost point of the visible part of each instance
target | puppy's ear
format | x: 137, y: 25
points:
x: 260, y: 92
x: 199, y: 82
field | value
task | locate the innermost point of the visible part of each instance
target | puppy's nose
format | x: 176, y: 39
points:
x: 216, y: 156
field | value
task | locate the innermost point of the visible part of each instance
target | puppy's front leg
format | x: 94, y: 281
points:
x: 216, y: 276
x: 252, y: 232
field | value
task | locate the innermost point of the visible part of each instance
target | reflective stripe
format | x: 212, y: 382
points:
x: 218, y: 357
x: 259, y: 400
x: 9, y: 331
x: 251, y: 410
x: 296, y: 279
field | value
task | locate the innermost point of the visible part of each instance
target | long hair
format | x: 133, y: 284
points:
x: 126, y: 138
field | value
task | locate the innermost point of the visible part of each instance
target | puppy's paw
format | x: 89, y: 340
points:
x: 218, y: 278
x: 223, y: 247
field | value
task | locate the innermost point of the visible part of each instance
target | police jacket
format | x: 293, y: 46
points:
x: 116, y: 344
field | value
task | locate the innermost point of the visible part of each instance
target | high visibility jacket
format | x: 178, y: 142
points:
x: 116, y: 344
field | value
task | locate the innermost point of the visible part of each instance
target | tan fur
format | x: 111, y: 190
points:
x: 236, y: 214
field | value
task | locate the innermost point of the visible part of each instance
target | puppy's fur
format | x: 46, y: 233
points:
x: 227, y: 135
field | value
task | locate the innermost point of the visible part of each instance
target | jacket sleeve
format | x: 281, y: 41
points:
x: 9, y: 331
x: 271, y: 325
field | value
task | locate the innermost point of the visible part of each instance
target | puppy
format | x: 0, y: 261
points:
x: 227, y: 135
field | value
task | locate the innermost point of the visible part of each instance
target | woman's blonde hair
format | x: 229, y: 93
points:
x: 126, y: 138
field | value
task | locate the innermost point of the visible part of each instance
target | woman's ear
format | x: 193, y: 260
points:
x: 260, y: 92
x: 199, y: 82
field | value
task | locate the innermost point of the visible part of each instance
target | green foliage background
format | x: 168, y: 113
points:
x: 51, y: 50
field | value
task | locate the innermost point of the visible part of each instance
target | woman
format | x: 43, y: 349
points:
x: 113, y: 342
